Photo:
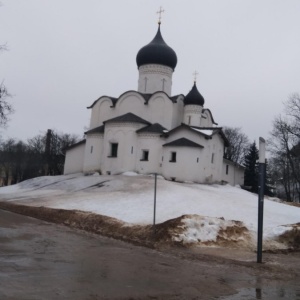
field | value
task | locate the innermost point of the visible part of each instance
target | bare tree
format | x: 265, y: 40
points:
x: 292, y: 106
x: 239, y: 144
x: 49, y: 151
x: 292, y: 110
x: 3, y: 47
x: 14, y: 160
x: 281, y: 175
x: 20, y: 161
x: 55, y: 149
x: 5, y: 107
x: 284, y: 147
x: 5, y: 158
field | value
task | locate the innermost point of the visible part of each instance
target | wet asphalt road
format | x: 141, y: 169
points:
x: 39, y: 260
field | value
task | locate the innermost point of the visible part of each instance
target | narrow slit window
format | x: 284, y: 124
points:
x: 92, y: 149
x: 212, y: 158
x: 114, y: 150
x: 173, y: 157
x: 145, y: 155
x: 227, y: 169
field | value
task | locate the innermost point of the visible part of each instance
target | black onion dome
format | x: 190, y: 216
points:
x: 194, y: 97
x: 157, y: 52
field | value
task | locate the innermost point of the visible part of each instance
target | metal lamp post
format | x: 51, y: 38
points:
x: 154, y: 210
x: 262, y: 172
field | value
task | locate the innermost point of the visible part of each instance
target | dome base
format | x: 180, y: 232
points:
x: 154, y: 78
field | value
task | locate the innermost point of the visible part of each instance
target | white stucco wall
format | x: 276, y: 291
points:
x: 104, y: 110
x: 101, y: 111
x: 131, y: 102
x: 211, y: 171
x: 124, y: 134
x: 206, y: 119
x: 192, y: 163
x: 152, y: 143
x: 74, y: 159
x: 214, y: 167
x: 159, y: 109
x: 192, y: 115
x: 153, y: 78
x: 92, y: 154
x: 235, y: 173
x: 178, y: 109
x: 188, y: 166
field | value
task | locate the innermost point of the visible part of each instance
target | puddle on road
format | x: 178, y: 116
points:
x: 265, y: 293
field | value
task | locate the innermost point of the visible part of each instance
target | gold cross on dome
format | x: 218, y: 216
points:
x: 195, y: 76
x: 160, y: 12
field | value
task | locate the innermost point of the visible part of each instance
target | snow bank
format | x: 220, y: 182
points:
x: 130, y: 199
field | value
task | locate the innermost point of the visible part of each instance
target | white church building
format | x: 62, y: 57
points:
x: 151, y: 131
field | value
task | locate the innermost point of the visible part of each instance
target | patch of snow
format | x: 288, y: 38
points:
x: 204, y: 131
x: 276, y: 231
x: 274, y: 199
x: 130, y: 174
x: 158, y: 176
x: 198, y: 228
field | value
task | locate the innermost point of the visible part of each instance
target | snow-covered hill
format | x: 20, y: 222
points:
x: 129, y: 197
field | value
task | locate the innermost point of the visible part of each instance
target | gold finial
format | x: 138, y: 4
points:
x: 160, y: 12
x: 195, y: 76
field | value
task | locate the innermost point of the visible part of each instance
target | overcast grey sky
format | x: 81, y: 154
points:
x: 64, y: 54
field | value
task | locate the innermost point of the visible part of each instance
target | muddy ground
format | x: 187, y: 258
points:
x: 41, y: 260
x: 182, y: 273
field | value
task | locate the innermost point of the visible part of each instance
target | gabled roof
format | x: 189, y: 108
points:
x: 154, y: 128
x: 183, y: 142
x: 214, y: 130
x: 127, y: 118
x: 99, y: 129
x: 208, y: 131
x: 76, y: 144
x: 182, y: 125
x: 202, y: 131
x: 230, y: 162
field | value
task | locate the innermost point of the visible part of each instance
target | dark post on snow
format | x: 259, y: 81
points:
x: 261, y: 186
x: 154, y: 211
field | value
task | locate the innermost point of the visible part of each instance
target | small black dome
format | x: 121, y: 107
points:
x: 157, y: 52
x: 194, y: 97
